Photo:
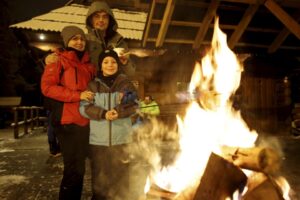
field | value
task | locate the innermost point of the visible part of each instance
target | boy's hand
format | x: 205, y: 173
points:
x: 111, y: 115
x: 87, y: 95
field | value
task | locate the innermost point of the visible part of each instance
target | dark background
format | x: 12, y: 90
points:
x: 20, y: 64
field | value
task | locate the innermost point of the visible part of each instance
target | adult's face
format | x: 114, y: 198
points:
x: 77, y: 42
x: 100, y: 20
x: 147, y: 100
x: 109, y: 66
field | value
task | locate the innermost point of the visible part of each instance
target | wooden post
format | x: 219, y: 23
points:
x: 32, y: 118
x: 220, y: 180
x: 25, y: 122
x: 16, y: 127
x: 37, y: 117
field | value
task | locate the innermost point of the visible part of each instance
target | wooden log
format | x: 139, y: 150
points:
x: 157, y: 192
x: 259, y: 159
x: 187, y: 194
x: 220, y: 180
x: 263, y: 188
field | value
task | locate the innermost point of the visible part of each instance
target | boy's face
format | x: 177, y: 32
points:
x: 100, y: 20
x: 77, y: 42
x: 109, y: 66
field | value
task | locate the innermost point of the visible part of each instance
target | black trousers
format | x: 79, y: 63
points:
x: 74, y: 142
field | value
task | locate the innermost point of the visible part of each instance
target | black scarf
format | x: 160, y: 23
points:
x: 108, y: 80
x: 78, y: 53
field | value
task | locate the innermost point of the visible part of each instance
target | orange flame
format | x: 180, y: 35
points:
x: 212, y: 124
x: 210, y: 121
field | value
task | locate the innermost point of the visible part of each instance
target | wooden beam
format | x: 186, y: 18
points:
x: 281, y: 36
x: 222, y: 26
x: 148, y: 24
x: 240, y: 44
x: 173, y: 40
x: 284, y: 17
x: 242, y: 25
x: 279, y: 40
x: 242, y: 1
x: 210, y: 14
x: 165, y: 23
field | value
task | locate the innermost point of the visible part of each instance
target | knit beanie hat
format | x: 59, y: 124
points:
x: 110, y: 53
x: 69, y: 31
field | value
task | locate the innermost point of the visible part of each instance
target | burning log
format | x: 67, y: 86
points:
x: 258, y: 159
x: 220, y: 180
x: 262, y: 187
x: 156, y: 191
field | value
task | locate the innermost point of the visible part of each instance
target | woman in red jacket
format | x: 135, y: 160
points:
x: 65, y: 82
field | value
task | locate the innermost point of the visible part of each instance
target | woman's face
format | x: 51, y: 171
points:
x: 109, y: 66
x: 77, y: 42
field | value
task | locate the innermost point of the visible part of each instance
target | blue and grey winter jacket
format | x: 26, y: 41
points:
x: 121, y: 96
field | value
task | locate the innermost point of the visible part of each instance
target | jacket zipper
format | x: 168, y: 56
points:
x: 101, y: 38
x: 76, y: 77
x: 110, y: 123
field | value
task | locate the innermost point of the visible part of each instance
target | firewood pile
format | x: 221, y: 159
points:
x: 223, y: 177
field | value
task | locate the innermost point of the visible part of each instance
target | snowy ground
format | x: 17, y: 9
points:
x: 28, y: 172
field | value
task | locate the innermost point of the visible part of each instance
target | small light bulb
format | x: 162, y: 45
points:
x: 42, y: 37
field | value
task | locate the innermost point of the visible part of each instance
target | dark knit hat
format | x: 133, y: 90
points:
x: 69, y: 31
x: 107, y: 53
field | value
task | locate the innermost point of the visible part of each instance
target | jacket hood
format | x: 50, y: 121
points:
x: 97, y: 6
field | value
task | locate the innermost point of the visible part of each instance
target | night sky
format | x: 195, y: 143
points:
x: 22, y: 10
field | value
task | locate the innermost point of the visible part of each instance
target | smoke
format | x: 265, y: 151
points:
x: 272, y: 143
x: 155, y: 143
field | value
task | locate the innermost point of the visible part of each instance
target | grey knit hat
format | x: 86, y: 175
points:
x: 69, y: 31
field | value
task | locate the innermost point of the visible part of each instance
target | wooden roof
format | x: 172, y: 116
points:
x: 252, y: 26
x: 131, y: 24
x: 267, y: 26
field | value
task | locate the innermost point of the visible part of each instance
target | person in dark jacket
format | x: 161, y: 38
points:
x: 65, y: 81
x: 110, y: 128
x: 102, y: 34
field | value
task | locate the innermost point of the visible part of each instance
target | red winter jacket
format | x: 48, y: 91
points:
x: 74, y: 80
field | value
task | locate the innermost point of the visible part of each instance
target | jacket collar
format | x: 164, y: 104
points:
x: 71, y: 55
